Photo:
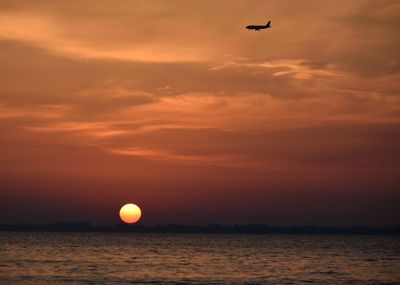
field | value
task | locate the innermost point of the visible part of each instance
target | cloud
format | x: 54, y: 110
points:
x: 202, y: 129
x: 296, y: 68
x: 195, y: 160
x: 185, y: 82
x: 87, y: 40
x: 34, y: 112
x: 360, y: 35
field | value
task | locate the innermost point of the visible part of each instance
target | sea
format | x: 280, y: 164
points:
x: 136, y: 258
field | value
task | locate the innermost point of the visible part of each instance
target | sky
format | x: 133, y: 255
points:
x: 175, y: 106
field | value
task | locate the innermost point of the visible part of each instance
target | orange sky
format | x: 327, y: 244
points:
x: 174, y: 106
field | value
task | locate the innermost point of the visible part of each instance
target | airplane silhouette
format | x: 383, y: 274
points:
x: 259, y: 27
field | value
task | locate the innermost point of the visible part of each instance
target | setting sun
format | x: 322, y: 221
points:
x: 130, y: 213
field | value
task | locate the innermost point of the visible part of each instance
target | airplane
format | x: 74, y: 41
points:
x: 259, y: 27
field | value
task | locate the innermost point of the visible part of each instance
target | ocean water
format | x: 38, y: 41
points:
x: 131, y: 258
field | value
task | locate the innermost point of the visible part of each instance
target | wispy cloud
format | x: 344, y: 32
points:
x: 234, y: 161
x: 52, y: 34
x: 296, y: 68
x: 34, y: 112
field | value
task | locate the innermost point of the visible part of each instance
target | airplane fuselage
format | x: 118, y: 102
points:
x: 256, y: 28
x: 259, y: 27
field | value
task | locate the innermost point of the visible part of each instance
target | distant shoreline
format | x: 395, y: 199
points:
x: 210, y: 229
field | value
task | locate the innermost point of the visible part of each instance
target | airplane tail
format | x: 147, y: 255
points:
x: 268, y: 25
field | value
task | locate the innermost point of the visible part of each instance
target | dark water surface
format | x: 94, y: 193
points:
x: 116, y: 258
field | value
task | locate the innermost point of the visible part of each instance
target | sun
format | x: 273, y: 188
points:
x: 130, y: 213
